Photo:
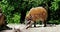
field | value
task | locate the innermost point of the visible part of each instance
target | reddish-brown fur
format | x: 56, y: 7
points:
x: 2, y: 19
x: 37, y: 13
x: 3, y: 23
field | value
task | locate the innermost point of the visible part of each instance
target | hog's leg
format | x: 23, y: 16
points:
x: 44, y: 23
x: 34, y: 23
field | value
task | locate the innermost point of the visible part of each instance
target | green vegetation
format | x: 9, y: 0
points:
x: 15, y: 10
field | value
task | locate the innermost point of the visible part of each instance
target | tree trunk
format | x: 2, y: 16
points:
x: 23, y: 14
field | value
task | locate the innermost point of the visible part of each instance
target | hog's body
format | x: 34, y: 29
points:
x: 37, y: 13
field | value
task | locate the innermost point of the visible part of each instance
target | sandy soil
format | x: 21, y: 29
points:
x: 39, y: 28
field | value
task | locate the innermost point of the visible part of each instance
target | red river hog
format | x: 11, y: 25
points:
x: 37, y: 13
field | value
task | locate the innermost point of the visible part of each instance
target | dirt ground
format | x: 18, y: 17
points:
x: 39, y: 28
